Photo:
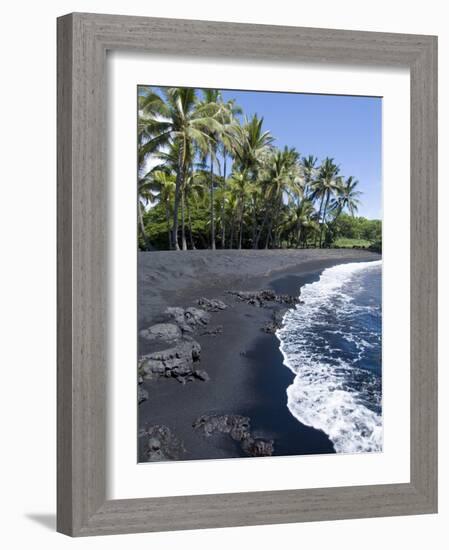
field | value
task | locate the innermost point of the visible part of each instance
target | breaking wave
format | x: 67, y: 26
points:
x: 332, y: 343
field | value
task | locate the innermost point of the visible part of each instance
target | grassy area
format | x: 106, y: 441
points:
x: 344, y: 242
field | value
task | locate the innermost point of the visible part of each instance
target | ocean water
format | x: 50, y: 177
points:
x: 333, y: 344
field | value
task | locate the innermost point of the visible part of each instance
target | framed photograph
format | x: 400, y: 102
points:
x: 247, y: 274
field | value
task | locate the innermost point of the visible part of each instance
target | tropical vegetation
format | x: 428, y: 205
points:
x: 211, y: 176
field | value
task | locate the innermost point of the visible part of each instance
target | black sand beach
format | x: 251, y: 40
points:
x: 244, y: 364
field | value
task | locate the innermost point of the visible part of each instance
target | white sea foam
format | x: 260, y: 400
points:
x: 329, y: 393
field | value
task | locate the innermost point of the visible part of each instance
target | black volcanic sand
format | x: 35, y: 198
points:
x: 245, y: 365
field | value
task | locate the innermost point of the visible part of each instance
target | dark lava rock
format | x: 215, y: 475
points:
x: 234, y: 425
x: 176, y: 313
x: 276, y: 321
x: 196, y: 317
x: 212, y: 305
x: 162, y: 444
x: 175, y: 361
x: 238, y: 428
x: 179, y: 362
x: 188, y: 319
x: 142, y: 394
x: 162, y: 331
x: 258, y: 447
x: 262, y: 298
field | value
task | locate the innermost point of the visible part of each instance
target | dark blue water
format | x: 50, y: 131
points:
x: 333, y: 344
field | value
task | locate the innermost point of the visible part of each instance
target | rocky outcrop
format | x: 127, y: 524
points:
x: 238, y: 428
x: 162, y: 331
x: 179, y: 362
x: 262, y: 298
x: 182, y: 323
x: 142, y: 394
x: 161, y: 444
x: 195, y: 317
x: 177, y: 314
x: 212, y: 305
x: 276, y: 321
x: 258, y: 446
x: 189, y: 319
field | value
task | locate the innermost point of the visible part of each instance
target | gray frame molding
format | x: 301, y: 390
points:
x: 83, y: 40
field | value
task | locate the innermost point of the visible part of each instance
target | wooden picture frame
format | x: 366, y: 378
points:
x: 83, y: 40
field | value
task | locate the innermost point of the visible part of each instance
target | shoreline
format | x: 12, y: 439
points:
x: 246, y: 367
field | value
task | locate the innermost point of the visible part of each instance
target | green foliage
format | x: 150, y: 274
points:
x: 357, y: 232
x: 358, y: 228
x: 218, y: 180
x: 344, y: 242
x: 376, y: 246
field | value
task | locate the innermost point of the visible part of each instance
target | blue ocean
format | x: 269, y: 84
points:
x: 333, y: 344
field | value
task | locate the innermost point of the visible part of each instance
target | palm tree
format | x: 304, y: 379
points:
x: 175, y: 117
x: 242, y: 188
x: 213, y: 97
x: 230, y: 130
x: 303, y: 216
x: 250, y: 144
x: 160, y: 188
x: 323, y: 188
x: 144, y: 197
x: 187, y: 140
x: 347, y: 198
x: 309, y: 169
x: 232, y: 204
x: 170, y: 159
x: 148, y: 191
x: 280, y: 176
x: 193, y: 191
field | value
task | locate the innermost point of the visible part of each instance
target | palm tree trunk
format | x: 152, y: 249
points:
x: 183, y: 225
x: 142, y: 226
x: 324, y: 218
x: 254, y: 223
x: 261, y: 228
x: 319, y: 218
x: 242, y: 206
x: 212, y: 213
x: 178, y: 187
x: 298, y: 234
x: 298, y: 238
x: 231, y: 237
x: 269, y: 238
x: 277, y: 229
x: 189, y: 218
x: 269, y: 233
x: 167, y: 217
x: 298, y: 229
x: 273, y: 218
x: 223, y: 204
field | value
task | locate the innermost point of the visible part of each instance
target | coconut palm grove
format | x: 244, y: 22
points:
x: 211, y: 176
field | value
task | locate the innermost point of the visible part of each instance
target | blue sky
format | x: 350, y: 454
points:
x: 347, y: 128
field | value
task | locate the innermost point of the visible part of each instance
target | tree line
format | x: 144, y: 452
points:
x: 209, y: 176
